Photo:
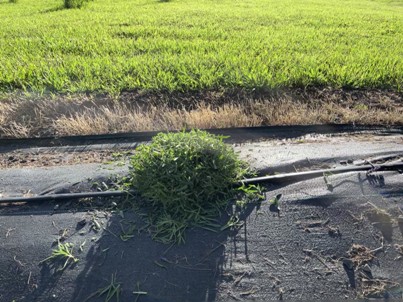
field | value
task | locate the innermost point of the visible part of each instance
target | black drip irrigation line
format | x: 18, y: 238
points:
x: 54, y: 197
x: 298, y: 176
x: 279, y: 178
x: 234, y: 134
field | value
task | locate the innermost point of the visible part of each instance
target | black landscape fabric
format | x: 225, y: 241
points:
x: 317, y: 236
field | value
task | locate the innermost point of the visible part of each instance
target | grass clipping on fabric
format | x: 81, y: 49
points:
x: 185, y: 179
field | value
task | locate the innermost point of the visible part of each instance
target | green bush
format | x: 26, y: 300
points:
x: 13, y: 1
x: 185, y: 179
x: 74, y: 3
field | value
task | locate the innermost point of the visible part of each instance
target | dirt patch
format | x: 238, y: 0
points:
x: 33, y: 116
x: 19, y: 159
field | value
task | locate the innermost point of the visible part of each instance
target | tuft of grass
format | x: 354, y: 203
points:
x: 64, y: 253
x: 185, y: 179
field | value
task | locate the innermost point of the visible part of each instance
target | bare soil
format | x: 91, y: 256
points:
x: 20, y: 159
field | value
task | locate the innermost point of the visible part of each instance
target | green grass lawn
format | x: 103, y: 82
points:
x: 184, y: 45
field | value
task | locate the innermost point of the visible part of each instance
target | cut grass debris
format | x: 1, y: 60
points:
x: 128, y: 230
x: 360, y: 255
x: 360, y: 258
x: 63, y: 253
x: 200, y: 44
x: 377, y: 288
x: 111, y: 291
x: 139, y: 292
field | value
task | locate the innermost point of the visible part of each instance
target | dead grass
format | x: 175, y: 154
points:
x: 29, y: 116
x: 360, y: 255
x: 368, y: 286
x: 376, y: 288
x: 123, y: 118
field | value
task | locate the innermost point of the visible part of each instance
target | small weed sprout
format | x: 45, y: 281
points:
x: 250, y: 193
x: 63, y: 252
x: 185, y: 179
x: 274, y: 204
x: 275, y: 201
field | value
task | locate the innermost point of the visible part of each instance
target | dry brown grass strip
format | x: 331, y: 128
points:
x: 81, y: 114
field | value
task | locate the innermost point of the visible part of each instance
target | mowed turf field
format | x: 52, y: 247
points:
x: 189, y: 45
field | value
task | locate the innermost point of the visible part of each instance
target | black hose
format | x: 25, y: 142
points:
x: 52, y: 197
x: 297, y: 176
x: 235, y: 135
x: 279, y: 178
